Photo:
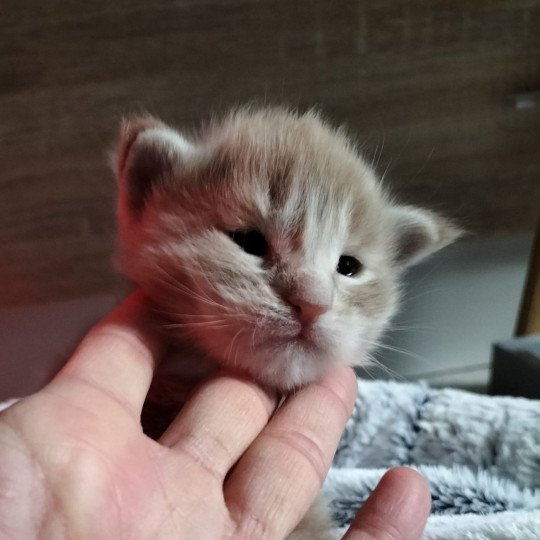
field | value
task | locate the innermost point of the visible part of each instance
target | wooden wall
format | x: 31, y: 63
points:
x: 428, y: 88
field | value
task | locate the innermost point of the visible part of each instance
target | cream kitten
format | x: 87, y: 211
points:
x: 266, y: 240
x: 266, y: 243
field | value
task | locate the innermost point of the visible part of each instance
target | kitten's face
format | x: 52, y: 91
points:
x: 268, y: 242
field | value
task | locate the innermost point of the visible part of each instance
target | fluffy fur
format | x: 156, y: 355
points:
x: 285, y: 317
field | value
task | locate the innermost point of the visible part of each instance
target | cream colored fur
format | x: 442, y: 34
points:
x: 304, y: 187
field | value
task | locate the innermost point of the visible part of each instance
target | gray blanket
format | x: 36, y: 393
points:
x: 480, y: 454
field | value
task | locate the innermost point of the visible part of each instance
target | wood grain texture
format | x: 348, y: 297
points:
x: 425, y: 86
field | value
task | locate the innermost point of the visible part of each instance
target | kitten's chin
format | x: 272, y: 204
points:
x: 283, y: 362
x: 289, y: 364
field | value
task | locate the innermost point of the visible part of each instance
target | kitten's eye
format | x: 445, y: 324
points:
x: 252, y: 242
x: 348, y: 266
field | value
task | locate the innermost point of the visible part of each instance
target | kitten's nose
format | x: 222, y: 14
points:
x: 306, y: 311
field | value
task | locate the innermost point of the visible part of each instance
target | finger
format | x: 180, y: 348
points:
x: 396, y: 510
x: 219, y: 422
x: 116, y: 359
x: 278, y: 477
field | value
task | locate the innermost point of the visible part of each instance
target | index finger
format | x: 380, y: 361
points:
x: 116, y: 358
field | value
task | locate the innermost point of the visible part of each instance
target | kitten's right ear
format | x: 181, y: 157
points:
x: 416, y: 233
x: 148, y: 152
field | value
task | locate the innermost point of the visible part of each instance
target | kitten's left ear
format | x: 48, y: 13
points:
x: 148, y: 153
x: 417, y: 233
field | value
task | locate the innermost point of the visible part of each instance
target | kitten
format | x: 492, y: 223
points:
x: 266, y: 244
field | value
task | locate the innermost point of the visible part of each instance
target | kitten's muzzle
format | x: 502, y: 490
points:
x: 305, y: 311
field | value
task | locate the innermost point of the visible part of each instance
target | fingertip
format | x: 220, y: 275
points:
x: 398, y: 508
x: 412, y: 484
x: 133, y: 319
x: 117, y: 357
x: 406, y: 474
x: 342, y: 382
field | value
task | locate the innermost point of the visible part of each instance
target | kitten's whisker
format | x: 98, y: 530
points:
x: 377, y: 345
x: 393, y: 374
x: 404, y: 328
x: 408, y: 297
x: 194, y: 315
x: 235, y: 363
x: 253, y: 338
x: 203, y: 293
x: 189, y: 330
x: 170, y: 281
x: 185, y: 291
x: 380, y: 152
x: 231, y: 344
x: 190, y: 293
x: 202, y: 297
x: 392, y: 348
x: 218, y: 324
x: 375, y: 152
x: 183, y: 315
x: 386, y: 171
x: 366, y: 367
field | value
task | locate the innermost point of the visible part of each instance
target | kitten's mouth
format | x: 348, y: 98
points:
x: 305, y: 338
x: 305, y: 335
x: 309, y: 338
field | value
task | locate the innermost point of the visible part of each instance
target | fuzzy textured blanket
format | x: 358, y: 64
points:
x: 480, y: 454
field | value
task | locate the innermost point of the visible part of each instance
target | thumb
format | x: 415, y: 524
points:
x: 397, y: 509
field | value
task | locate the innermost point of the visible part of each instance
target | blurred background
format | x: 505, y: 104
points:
x: 442, y: 97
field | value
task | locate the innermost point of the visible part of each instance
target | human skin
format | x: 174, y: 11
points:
x: 74, y: 462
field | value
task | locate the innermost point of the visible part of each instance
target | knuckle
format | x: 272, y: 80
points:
x: 305, y: 446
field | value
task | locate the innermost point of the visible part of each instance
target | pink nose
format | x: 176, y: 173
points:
x: 307, y: 312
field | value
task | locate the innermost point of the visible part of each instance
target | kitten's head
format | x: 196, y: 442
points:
x: 266, y: 239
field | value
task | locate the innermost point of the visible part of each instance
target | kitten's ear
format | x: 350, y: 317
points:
x: 417, y: 233
x: 148, y: 153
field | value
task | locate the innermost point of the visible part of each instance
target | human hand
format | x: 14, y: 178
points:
x: 74, y: 462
